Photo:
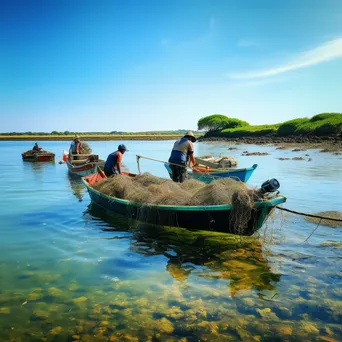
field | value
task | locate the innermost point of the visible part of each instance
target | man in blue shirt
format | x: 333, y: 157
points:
x: 113, y: 162
x: 183, y: 150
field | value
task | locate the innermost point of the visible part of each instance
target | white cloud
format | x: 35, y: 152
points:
x: 323, y: 53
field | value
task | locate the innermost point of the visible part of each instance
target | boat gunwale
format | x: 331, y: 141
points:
x: 246, y: 169
x: 218, y: 207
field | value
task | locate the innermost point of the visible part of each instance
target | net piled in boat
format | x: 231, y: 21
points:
x: 149, y: 189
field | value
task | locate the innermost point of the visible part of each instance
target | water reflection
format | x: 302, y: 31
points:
x: 38, y: 167
x: 76, y: 186
x: 206, y: 255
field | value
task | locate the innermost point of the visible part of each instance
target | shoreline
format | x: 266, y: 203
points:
x: 331, y: 142
x: 276, y: 140
x: 325, y: 144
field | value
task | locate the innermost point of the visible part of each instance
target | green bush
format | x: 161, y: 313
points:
x: 289, y: 127
x: 250, y: 131
x: 324, y: 116
x: 322, y: 124
x: 217, y: 122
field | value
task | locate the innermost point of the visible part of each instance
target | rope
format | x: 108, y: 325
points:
x: 309, y: 215
x: 160, y: 161
x: 313, y: 230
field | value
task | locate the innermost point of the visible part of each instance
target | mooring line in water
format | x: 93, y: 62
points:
x: 309, y: 215
x: 313, y: 230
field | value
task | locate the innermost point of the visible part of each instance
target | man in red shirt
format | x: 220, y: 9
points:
x: 113, y: 162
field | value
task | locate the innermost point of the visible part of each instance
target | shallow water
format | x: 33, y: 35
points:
x: 69, y: 272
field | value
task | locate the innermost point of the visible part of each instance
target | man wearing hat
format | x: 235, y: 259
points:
x: 75, y: 147
x: 113, y: 162
x: 183, y: 150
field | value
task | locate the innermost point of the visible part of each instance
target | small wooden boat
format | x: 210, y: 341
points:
x: 85, y: 165
x: 213, y: 217
x: 207, y: 175
x: 38, y: 156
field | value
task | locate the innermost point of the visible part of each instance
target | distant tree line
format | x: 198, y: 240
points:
x: 323, y: 124
x: 70, y: 133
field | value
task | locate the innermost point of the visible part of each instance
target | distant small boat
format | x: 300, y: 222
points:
x: 208, y: 217
x: 38, y: 156
x: 85, y: 165
x: 207, y: 175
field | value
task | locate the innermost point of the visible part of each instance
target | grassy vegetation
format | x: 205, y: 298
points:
x: 218, y: 122
x: 325, y: 124
x: 250, y: 131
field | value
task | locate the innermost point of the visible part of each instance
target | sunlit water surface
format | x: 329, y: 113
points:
x: 68, y: 272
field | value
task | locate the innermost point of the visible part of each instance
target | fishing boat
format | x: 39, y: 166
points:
x: 207, y: 175
x: 38, y: 156
x: 210, y: 217
x: 85, y: 165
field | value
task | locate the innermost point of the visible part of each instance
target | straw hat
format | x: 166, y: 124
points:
x: 77, y: 137
x: 191, y: 135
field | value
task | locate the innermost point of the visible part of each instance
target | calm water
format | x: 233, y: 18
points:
x: 68, y: 273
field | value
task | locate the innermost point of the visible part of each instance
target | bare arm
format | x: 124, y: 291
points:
x: 118, y: 163
x: 192, y: 159
x: 78, y: 147
x: 118, y: 167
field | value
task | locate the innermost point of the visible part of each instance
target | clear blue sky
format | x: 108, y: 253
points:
x: 137, y: 65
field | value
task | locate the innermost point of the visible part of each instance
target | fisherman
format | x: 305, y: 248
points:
x: 36, y: 147
x: 75, y: 147
x: 113, y: 162
x: 182, y: 151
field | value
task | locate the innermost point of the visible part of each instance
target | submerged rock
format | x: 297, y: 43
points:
x: 40, y: 314
x: 35, y: 294
x: 56, y: 331
x: 307, y: 328
x: 326, y: 222
x: 165, y: 326
x: 246, y: 153
x: 73, y: 286
x: 80, y: 300
x: 54, y: 292
x: 4, y: 310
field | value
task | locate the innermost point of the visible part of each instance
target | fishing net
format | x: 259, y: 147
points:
x: 85, y: 148
x: 147, y: 189
x: 146, y: 179
x: 118, y: 186
x: 217, y: 192
x: 192, y: 185
x: 242, y: 206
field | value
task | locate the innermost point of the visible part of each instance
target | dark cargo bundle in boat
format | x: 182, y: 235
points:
x: 38, y: 156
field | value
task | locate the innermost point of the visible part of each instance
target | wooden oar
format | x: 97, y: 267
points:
x: 100, y: 171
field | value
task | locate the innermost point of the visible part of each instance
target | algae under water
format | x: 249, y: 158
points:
x: 68, y: 271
